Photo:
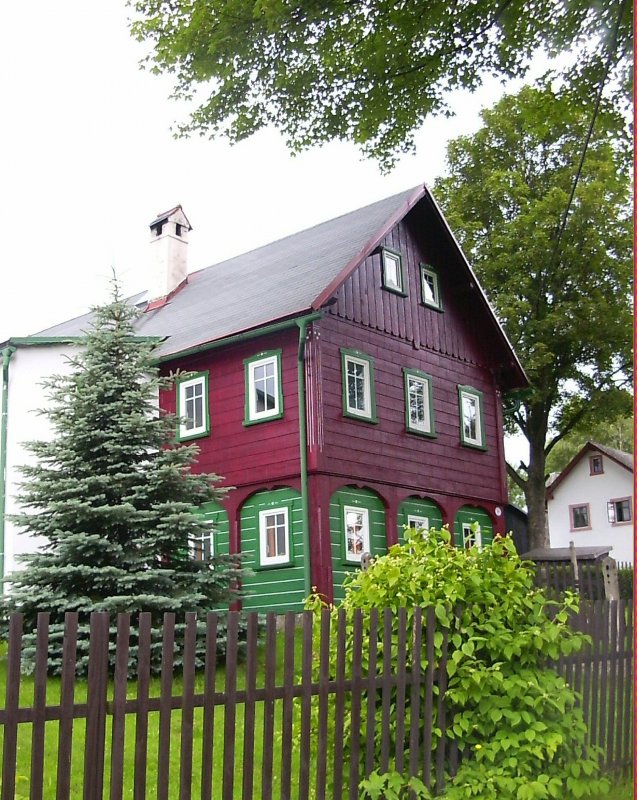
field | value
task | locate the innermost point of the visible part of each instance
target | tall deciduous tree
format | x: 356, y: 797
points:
x: 112, y: 496
x: 368, y: 71
x: 563, y: 294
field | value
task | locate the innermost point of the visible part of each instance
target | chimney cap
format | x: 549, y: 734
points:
x: 161, y: 218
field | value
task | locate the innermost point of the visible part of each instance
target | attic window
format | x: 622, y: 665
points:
x: 430, y: 287
x: 596, y: 465
x: 177, y: 229
x: 159, y: 228
x: 393, y: 278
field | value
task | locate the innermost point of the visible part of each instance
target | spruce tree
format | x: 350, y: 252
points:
x: 113, y: 496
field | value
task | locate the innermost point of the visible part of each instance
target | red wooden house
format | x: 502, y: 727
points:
x: 346, y: 380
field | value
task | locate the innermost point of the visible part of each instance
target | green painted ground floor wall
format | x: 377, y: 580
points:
x: 280, y: 587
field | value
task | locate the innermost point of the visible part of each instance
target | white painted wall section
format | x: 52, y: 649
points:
x: 29, y: 366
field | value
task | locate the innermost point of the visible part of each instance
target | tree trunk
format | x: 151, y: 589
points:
x: 535, y: 489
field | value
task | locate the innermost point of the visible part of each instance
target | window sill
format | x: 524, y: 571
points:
x: 424, y: 434
x: 248, y: 422
x: 278, y: 565
x: 398, y: 292
x: 360, y: 418
x: 481, y: 447
x: 189, y: 436
x: 433, y: 307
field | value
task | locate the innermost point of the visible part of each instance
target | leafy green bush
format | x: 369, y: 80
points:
x: 514, y: 719
x: 625, y: 578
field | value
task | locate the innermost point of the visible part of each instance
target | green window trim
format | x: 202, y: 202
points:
x: 275, y: 562
x: 183, y: 434
x: 353, y: 561
x: 477, y: 442
x: 369, y: 394
x: 386, y: 255
x: 427, y: 381
x: 202, y: 548
x: 253, y: 417
x: 426, y: 270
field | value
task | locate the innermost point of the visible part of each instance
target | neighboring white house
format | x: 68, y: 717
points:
x: 591, y: 502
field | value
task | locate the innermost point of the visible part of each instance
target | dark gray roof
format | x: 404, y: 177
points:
x: 270, y: 283
x: 280, y: 280
x: 564, y: 553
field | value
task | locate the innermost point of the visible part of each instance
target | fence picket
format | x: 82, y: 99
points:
x: 67, y: 696
x: 12, y: 698
x: 268, y: 707
x: 230, y: 716
x: 141, y: 717
x: 118, y: 734
x: 306, y: 706
x: 165, y: 706
x: 97, y: 685
x: 210, y: 678
x: 39, y: 706
x: 187, y: 707
x: 323, y: 699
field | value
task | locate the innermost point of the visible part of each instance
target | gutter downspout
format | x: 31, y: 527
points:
x: 6, y: 358
x: 302, y: 323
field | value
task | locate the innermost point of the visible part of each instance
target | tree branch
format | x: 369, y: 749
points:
x: 515, y: 477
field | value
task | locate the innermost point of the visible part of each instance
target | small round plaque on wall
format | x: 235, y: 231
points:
x: 498, y: 512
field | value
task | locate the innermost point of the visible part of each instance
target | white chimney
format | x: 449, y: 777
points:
x: 169, y: 253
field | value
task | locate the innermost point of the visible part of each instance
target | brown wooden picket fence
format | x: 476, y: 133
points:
x: 282, y: 721
x: 556, y: 578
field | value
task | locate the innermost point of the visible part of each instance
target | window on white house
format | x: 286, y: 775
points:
x: 274, y: 536
x: 597, y: 465
x: 356, y: 532
x: 580, y: 516
x: 471, y: 417
x: 192, y: 406
x: 418, y: 405
x: 430, y: 287
x: 471, y: 535
x: 358, y: 386
x: 264, y: 396
x: 201, y: 546
x: 393, y: 271
x: 619, y: 511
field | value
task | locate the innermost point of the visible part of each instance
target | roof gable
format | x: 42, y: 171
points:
x: 624, y: 460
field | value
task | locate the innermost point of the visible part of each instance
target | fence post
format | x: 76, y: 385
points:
x: 96, y: 707
x: 611, y: 581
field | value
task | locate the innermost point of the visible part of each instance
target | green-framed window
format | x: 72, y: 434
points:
x: 359, y: 400
x: 202, y: 546
x: 356, y: 533
x: 263, y: 387
x: 393, y: 272
x: 192, y: 406
x: 419, y: 413
x: 430, y: 287
x: 274, y: 536
x: 471, y: 535
x: 470, y: 402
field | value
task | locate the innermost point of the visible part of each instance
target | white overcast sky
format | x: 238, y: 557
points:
x: 88, y: 160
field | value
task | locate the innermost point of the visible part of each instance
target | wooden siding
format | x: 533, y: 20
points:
x: 273, y: 588
x: 468, y: 514
x: 385, y: 452
x: 244, y: 455
x: 218, y: 516
x: 461, y: 330
x: 418, y: 508
x: 364, y: 498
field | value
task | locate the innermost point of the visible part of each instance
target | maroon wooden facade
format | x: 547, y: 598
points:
x: 459, y: 345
